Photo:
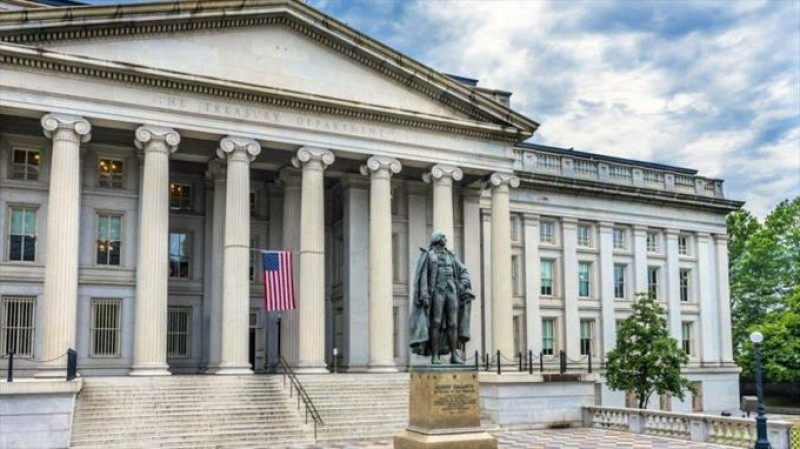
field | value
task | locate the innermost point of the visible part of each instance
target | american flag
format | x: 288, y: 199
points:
x: 278, y: 281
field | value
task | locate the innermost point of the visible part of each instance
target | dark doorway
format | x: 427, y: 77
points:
x: 251, y: 353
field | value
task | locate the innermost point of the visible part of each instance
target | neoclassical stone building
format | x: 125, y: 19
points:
x: 146, y: 150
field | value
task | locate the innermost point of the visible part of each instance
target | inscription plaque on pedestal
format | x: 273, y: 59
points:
x: 444, y: 410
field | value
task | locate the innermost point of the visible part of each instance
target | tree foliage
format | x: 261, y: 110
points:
x: 646, y: 360
x: 764, y: 263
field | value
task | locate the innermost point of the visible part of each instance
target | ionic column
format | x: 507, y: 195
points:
x: 607, y: 288
x: 673, y: 285
x: 723, y: 294
x: 238, y: 152
x: 502, y: 300
x: 381, y: 345
x: 442, y: 177
x: 217, y: 172
x: 59, y: 308
x: 311, y: 313
x: 150, y: 344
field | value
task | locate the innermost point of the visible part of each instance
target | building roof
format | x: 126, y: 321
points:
x: 605, y: 158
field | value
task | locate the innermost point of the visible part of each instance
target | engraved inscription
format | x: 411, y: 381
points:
x: 454, y: 399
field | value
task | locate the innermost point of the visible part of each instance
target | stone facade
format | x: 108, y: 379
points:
x: 125, y: 153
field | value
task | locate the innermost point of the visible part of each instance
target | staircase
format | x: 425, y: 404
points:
x: 359, y: 406
x: 187, y: 412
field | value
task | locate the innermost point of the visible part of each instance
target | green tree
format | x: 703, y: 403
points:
x: 764, y: 261
x: 780, y: 350
x: 646, y: 360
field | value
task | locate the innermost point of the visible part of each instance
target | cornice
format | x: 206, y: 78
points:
x: 38, y: 59
x: 63, y: 24
x: 635, y: 193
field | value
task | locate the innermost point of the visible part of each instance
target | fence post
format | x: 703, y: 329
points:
x: 10, y: 377
x: 486, y: 361
x: 530, y: 361
x: 541, y: 361
x: 498, y: 362
x: 72, y: 364
x: 519, y: 354
x: 477, y: 361
x: 563, y: 361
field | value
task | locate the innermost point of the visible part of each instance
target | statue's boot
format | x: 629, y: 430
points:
x: 455, y: 354
x: 435, y: 346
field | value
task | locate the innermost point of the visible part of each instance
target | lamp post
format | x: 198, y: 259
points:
x: 761, y: 420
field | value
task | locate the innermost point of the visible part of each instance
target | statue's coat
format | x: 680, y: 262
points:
x: 421, y: 315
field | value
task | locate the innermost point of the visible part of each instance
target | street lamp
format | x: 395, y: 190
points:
x: 761, y: 420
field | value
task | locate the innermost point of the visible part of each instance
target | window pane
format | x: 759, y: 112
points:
x: 17, y: 217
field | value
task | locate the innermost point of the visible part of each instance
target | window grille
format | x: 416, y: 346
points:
x: 547, y: 232
x: 546, y: 269
x: 683, y: 245
x: 17, y: 325
x: 253, y: 319
x: 179, y: 332
x: 26, y: 164
x: 22, y: 238
x: 180, y: 196
x: 619, y: 239
x: 254, y: 256
x: 652, y: 281
x: 179, y: 256
x: 584, y: 235
x: 110, y: 173
x: 253, y: 203
x: 585, y: 168
x: 109, y: 239
x: 548, y: 336
x: 584, y: 279
x: 619, y: 281
x: 548, y: 162
x: 105, y: 328
x: 684, y: 278
x: 587, y: 335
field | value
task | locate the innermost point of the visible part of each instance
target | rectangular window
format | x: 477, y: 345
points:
x: 652, y: 281
x: 109, y: 241
x: 16, y: 325
x: 254, y: 256
x: 652, y: 242
x: 22, y: 238
x: 516, y: 275
x: 547, y: 277
x: 179, y: 332
x: 180, y: 196
x: 110, y: 173
x: 686, y: 337
x: 517, y: 329
x: 105, y: 328
x: 619, y: 239
x: 547, y: 232
x: 253, y: 203
x: 584, y: 279
x: 179, y: 256
x: 619, y: 281
x: 685, y: 278
x: 587, y: 336
x: 683, y: 245
x: 26, y: 164
x: 584, y: 232
x: 516, y: 229
x: 396, y: 251
x: 548, y: 336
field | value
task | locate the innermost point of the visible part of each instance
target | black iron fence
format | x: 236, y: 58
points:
x: 72, y: 364
x: 530, y: 362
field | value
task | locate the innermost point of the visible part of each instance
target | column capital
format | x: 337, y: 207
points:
x: 80, y: 127
x: 233, y: 147
x: 217, y: 170
x: 499, y: 179
x: 157, y: 139
x: 443, y: 173
x: 307, y: 155
x: 380, y: 165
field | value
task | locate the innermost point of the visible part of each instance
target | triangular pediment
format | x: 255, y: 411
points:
x: 282, y: 46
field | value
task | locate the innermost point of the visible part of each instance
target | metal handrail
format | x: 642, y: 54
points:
x: 301, y: 394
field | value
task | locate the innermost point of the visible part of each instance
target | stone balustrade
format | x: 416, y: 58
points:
x: 577, y: 167
x: 735, y: 432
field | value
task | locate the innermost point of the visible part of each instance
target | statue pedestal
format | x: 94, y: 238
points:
x: 444, y: 411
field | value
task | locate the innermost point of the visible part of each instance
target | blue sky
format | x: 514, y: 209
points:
x: 711, y: 85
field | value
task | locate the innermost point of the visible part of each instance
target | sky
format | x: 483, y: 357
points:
x: 709, y: 85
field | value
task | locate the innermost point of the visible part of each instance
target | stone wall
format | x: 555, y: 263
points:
x: 37, y: 414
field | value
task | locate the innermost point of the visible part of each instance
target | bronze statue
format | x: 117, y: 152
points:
x: 442, y: 303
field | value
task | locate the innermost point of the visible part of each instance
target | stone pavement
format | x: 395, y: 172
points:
x: 557, y: 439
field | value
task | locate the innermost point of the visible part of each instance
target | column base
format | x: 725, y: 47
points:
x: 233, y: 369
x: 150, y: 370
x: 382, y: 368
x: 309, y: 368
